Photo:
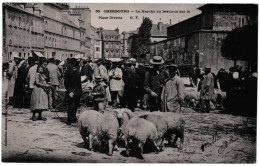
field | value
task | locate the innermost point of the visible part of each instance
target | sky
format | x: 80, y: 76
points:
x: 127, y: 24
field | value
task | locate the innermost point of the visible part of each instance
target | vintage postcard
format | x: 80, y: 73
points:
x: 129, y: 82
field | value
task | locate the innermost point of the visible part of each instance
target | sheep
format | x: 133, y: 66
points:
x: 104, y: 127
x: 139, y: 129
x: 191, y: 98
x: 161, y: 125
x: 109, y: 131
x: 123, y: 116
x: 176, y: 126
x: 89, y: 125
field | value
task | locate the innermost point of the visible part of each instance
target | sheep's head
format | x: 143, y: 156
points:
x: 122, y: 116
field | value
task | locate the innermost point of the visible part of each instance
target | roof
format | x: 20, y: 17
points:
x: 156, y: 31
x: 110, y: 32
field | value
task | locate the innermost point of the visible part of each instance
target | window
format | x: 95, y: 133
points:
x: 97, y: 49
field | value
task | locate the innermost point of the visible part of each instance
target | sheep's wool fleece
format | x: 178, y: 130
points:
x: 110, y: 126
x: 140, y: 129
x: 174, y: 120
x: 158, y: 120
x: 90, y: 122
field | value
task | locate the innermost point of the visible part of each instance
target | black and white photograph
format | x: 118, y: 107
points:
x: 129, y: 82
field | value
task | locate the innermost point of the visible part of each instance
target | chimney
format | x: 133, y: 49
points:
x: 117, y: 30
x: 160, y: 26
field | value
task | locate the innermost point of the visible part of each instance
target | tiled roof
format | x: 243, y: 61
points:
x: 155, y: 31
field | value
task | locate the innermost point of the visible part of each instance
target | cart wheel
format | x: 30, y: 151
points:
x: 82, y: 107
x: 61, y: 110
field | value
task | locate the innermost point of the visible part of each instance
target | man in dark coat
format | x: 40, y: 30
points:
x: 73, y: 87
x: 153, y: 83
x: 86, y: 70
x: 130, y: 86
x: 140, y: 72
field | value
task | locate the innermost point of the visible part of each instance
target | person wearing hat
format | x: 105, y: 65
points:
x: 116, y: 82
x: 130, y: 88
x: 153, y: 83
x: 12, y: 75
x: 99, y: 93
x: 173, y: 91
x: 72, y: 82
x: 207, y: 90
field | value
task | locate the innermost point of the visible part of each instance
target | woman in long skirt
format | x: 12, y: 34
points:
x: 39, y: 98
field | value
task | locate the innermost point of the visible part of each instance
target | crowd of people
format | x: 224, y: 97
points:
x: 154, y: 85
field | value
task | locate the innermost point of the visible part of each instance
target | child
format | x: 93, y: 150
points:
x: 99, y: 95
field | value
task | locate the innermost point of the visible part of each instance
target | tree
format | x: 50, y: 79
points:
x: 241, y: 44
x: 140, y: 45
x: 134, y: 45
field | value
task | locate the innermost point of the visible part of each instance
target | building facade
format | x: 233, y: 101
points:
x: 22, y: 31
x: 44, y: 29
x: 125, y: 45
x: 198, y: 40
x: 159, y: 32
x: 97, y: 44
x: 111, y: 44
x: 62, y: 33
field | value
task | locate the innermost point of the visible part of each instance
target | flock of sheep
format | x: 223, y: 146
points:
x: 110, y: 128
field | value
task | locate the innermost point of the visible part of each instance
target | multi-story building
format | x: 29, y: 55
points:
x: 41, y: 29
x: 84, y: 14
x: 62, y: 33
x: 23, y: 31
x: 125, y: 44
x: 111, y: 44
x: 159, y: 32
x: 198, y: 40
x: 98, y: 44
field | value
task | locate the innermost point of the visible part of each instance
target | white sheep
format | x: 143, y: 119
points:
x: 139, y: 129
x: 104, y: 127
x: 176, y: 124
x: 161, y: 125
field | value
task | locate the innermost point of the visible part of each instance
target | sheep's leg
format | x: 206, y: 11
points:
x: 162, y: 145
x: 90, y: 138
x: 84, y: 138
x: 156, y: 147
x: 181, y: 141
x: 141, y: 148
x: 126, y: 147
x: 110, y: 147
x: 175, y: 139
x: 100, y: 145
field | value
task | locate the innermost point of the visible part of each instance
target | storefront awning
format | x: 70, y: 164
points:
x: 114, y: 59
x: 39, y: 54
